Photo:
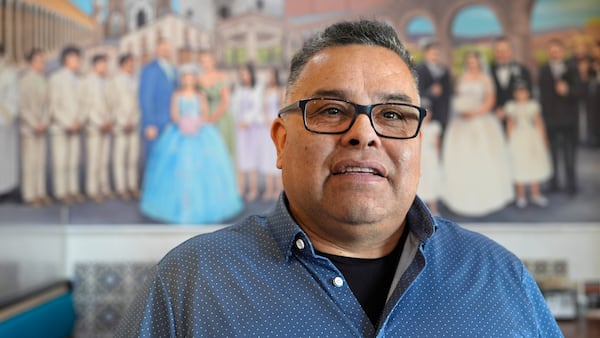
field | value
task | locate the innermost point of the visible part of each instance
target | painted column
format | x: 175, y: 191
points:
x: 9, y: 15
x: 2, y: 21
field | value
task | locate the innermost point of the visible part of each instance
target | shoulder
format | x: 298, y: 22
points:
x: 57, y: 74
x: 88, y: 80
x: 523, y: 68
x: 422, y: 69
x: 509, y: 106
x: 468, y: 249
x: 535, y: 106
x: 486, y: 78
x: 545, y: 67
x: 27, y: 77
x: 149, y: 67
x: 241, y: 241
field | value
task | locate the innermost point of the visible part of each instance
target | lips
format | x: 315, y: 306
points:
x: 357, y: 168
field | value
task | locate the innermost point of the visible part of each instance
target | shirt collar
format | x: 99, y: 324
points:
x: 286, y: 231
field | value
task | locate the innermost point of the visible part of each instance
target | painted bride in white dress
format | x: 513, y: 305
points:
x: 475, y: 153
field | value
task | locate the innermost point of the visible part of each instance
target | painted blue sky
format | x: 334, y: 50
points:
x: 476, y: 21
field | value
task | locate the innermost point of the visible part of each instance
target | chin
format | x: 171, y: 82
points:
x: 359, y: 212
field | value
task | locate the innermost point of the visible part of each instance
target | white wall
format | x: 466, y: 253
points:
x: 30, y: 256
x: 577, y: 243
x: 48, y: 252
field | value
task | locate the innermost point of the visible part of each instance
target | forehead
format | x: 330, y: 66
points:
x: 363, y: 73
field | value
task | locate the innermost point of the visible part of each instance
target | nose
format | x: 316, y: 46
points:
x: 361, y: 134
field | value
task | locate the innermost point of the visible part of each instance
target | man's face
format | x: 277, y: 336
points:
x: 556, y: 52
x: 72, y: 62
x: 101, y: 68
x: 163, y: 50
x: 580, y: 49
x: 502, y: 52
x: 432, y: 54
x: 316, y: 167
x: 207, y: 61
x: 128, y: 66
x: 38, y: 63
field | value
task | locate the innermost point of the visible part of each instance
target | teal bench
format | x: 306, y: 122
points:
x: 47, y: 311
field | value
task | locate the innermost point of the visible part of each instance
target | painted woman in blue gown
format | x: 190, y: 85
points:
x: 190, y: 178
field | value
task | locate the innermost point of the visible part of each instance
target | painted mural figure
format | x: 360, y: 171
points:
x: 214, y: 83
x: 9, y: 101
x: 558, y: 95
x: 246, y: 106
x: 122, y: 101
x: 98, y: 130
x: 189, y: 175
x: 431, y: 184
x: 528, y: 146
x: 506, y: 72
x: 35, y: 119
x: 158, y: 80
x: 272, y: 99
x: 435, y: 82
x: 476, y: 170
x: 594, y: 97
x: 68, y: 121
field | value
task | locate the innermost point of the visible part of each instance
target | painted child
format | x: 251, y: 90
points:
x: 528, y: 146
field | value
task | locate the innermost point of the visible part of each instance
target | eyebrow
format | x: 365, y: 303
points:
x: 342, y: 94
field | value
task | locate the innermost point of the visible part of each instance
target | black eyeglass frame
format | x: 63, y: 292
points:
x: 358, y: 109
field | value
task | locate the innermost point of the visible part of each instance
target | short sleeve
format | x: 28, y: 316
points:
x: 509, y: 108
x: 536, y: 108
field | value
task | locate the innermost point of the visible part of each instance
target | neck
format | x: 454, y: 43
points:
x: 354, y: 245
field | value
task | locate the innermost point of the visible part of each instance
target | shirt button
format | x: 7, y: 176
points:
x: 337, y: 282
x: 299, y: 244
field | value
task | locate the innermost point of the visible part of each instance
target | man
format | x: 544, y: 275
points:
x: 594, y: 103
x: 506, y: 73
x: 98, y: 129
x: 67, y: 121
x: 558, y: 95
x: 157, y: 83
x: 33, y: 108
x: 9, y: 101
x: 349, y: 250
x: 122, y: 100
x: 434, y: 82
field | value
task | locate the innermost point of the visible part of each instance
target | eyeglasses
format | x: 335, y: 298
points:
x: 336, y: 116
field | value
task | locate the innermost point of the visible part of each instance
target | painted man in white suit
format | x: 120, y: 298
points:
x: 98, y: 129
x: 67, y: 122
x: 123, y: 104
x: 35, y: 117
x: 9, y: 98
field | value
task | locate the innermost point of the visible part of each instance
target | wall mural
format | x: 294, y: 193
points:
x: 87, y: 134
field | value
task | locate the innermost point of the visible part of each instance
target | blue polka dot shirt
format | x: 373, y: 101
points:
x: 262, y: 278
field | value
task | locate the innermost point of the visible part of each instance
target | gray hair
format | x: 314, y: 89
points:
x: 362, y: 32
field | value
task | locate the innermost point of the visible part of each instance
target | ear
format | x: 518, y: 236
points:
x: 279, y: 135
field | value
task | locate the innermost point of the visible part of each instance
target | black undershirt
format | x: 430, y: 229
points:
x: 370, y: 279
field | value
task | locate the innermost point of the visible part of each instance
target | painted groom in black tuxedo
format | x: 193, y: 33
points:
x: 506, y: 73
x: 558, y: 94
x: 434, y: 82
